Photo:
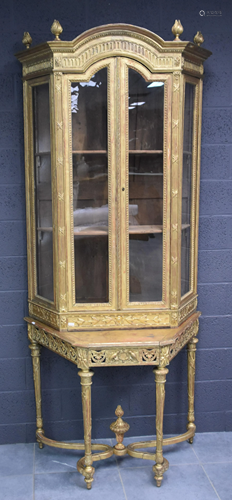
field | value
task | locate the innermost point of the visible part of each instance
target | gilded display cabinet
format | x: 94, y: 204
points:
x: 112, y: 154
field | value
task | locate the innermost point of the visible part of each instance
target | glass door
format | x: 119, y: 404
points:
x: 93, y: 186
x: 90, y: 188
x: 146, y: 111
x: 146, y: 159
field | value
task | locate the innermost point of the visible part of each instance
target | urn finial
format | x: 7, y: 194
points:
x: 27, y: 39
x: 56, y: 29
x: 177, y: 29
x: 198, y: 39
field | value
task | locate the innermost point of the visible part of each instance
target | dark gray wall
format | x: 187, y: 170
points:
x: 132, y: 387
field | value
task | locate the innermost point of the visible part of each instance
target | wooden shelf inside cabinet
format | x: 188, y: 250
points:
x: 43, y: 153
x: 90, y: 152
x: 146, y: 151
x: 103, y: 230
x: 45, y: 229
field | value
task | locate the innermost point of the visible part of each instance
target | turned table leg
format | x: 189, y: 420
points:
x: 191, y: 384
x: 35, y: 355
x: 86, y: 382
x: 161, y: 463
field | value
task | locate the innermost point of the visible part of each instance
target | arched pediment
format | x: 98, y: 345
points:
x: 115, y: 41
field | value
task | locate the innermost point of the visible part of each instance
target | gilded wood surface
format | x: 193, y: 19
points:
x: 191, y: 384
x: 86, y: 381
x: 115, y: 355
x: 78, y: 61
x: 161, y: 464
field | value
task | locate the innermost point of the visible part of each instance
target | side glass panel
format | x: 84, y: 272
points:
x: 43, y: 191
x: 146, y: 110
x: 90, y: 188
x: 186, y: 187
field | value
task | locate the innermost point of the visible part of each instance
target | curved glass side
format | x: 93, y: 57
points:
x: 187, y: 188
x: 43, y: 191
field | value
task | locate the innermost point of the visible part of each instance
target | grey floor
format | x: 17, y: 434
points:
x: 202, y: 471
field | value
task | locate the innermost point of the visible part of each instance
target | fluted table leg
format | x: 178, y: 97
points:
x: 161, y: 463
x: 191, y: 383
x: 35, y: 355
x: 86, y: 382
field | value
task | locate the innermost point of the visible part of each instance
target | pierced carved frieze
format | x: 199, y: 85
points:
x: 98, y: 357
x: 190, y: 332
x: 127, y: 356
x: 149, y: 355
x: 55, y: 344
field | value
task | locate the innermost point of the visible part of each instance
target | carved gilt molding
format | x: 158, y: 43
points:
x: 37, y: 66
x: 108, y: 48
x: 102, y: 320
x: 44, y: 314
x: 186, y: 310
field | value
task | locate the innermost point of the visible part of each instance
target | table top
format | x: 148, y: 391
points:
x: 119, y: 338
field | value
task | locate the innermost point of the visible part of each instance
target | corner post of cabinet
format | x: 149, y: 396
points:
x: 176, y: 189
x: 198, y: 168
x: 58, y: 192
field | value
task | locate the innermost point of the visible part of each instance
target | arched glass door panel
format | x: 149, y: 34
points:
x: 90, y: 188
x: 146, y: 112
